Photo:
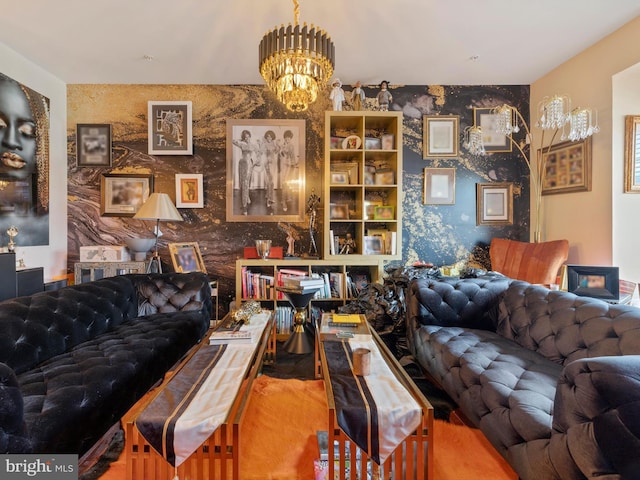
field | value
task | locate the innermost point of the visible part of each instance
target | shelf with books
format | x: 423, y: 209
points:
x: 363, y: 183
x: 256, y: 279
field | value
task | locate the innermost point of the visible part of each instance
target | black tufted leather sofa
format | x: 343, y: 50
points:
x: 74, y: 360
x: 550, y: 378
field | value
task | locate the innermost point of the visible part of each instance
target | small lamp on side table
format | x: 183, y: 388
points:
x: 158, y: 207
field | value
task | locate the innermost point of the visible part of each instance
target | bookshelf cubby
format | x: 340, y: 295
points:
x: 256, y: 280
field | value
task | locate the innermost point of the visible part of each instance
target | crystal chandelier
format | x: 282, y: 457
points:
x: 555, y: 115
x: 296, y: 62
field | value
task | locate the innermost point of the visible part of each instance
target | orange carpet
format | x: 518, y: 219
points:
x: 278, y: 438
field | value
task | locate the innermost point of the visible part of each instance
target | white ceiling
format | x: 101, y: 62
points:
x: 410, y: 42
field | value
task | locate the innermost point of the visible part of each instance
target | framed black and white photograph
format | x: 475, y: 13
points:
x: 265, y: 170
x: 487, y: 121
x: 440, y: 138
x: 494, y: 203
x: 93, y: 145
x: 186, y: 257
x: 170, y: 128
x: 189, y: 192
x: 122, y: 195
x: 439, y: 186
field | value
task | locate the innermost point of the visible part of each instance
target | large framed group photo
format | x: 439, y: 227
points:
x: 265, y: 170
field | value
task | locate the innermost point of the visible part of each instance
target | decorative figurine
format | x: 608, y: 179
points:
x: 13, y: 233
x: 348, y: 246
x: 357, y: 96
x: 292, y: 236
x: 337, y: 95
x: 384, y: 96
x: 312, y: 210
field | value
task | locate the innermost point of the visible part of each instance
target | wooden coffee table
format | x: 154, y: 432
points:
x: 412, y: 459
x: 218, y: 457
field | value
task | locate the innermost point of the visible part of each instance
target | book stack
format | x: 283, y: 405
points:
x: 225, y: 335
x: 303, y: 283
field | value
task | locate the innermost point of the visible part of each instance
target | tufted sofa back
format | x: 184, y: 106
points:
x: 565, y: 327
x: 38, y: 327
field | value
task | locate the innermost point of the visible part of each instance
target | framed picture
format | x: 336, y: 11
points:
x: 265, y: 170
x: 632, y: 154
x: 440, y: 138
x: 186, y: 257
x: 340, y: 178
x: 384, y: 177
x: 439, y: 186
x: 372, y: 143
x: 383, y: 212
x: 351, y: 169
x: 566, y: 167
x: 388, y: 141
x: 594, y: 281
x: 373, y: 245
x: 493, y: 141
x: 170, y: 129
x: 494, y: 203
x: 122, y: 195
x: 189, y: 192
x: 339, y: 211
x: 93, y: 145
x: 370, y: 208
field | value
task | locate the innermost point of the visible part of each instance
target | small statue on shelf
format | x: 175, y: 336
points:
x: 384, y: 97
x: 312, y: 210
x: 357, y: 97
x: 337, y: 95
x: 292, y: 236
x: 348, y: 245
x: 13, y: 233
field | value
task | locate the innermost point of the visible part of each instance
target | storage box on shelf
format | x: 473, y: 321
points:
x: 363, y: 185
x: 257, y: 279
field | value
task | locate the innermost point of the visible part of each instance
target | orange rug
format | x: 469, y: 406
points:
x: 278, y: 438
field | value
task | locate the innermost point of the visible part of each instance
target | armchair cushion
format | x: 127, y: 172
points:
x: 531, y: 262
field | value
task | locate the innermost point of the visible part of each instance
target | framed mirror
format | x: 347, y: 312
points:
x: 632, y: 154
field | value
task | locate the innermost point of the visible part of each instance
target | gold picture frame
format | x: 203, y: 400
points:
x: 122, y: 195
x: 493, y: 140
x: 632, y: 154
x: 439, y: 186
x: 440, y: 136
x: 494, y: 203
x: 566, y: 167
x: 186, y: 257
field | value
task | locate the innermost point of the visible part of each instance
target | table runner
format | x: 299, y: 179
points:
x: 375, y: 411
x: 197, y: 400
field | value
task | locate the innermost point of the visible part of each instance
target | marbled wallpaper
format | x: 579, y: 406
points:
x: 441, y: 234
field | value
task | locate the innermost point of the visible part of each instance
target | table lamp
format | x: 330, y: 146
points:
x: 158, y: 207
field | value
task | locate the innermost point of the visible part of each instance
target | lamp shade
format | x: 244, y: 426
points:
x: 159, y: 207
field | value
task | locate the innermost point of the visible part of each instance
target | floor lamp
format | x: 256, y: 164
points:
x: 158, y: 207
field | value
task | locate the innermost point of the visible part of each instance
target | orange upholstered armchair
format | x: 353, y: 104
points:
x: 531, y: 262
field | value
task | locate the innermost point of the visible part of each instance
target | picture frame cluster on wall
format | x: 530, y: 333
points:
x: 440, y: 136
x: 170, y: 127
x: 122, y: 195
x: 567, y: 167
x: 494, y: 203
x: 439, y: 186
x: 93, y: 145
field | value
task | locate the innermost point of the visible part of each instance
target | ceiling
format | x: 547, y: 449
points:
x: 410, y: 42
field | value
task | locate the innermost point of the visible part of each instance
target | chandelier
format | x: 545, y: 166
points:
x: 555, y: 115
x: 296, y: 62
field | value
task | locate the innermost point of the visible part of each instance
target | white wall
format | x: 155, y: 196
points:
x: 586, y: 219
x: 626, y: 206
x: 54, y: 256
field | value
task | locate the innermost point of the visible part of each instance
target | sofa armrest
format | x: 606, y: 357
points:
x: 468, y: 302
x: 599, y: 398
x: 13, y: 435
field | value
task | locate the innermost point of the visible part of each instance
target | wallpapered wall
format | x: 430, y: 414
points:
x: 439, y: 234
